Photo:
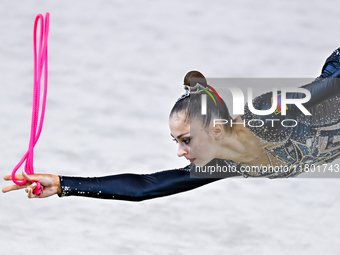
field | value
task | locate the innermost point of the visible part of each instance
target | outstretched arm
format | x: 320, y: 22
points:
x: 130, y: 187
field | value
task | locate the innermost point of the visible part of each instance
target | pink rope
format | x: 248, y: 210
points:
x: 40, y: 64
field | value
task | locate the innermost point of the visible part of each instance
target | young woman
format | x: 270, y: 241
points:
x: 314, y: 140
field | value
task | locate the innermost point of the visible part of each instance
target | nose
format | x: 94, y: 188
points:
x: 182, y: 150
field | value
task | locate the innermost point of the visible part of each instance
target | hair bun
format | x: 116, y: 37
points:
x: 192, y: 77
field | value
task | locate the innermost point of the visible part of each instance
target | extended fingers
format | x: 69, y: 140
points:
x: 23, y: 176
x: 29, y: 186
x: 13, y: 187
x: 18, y: 177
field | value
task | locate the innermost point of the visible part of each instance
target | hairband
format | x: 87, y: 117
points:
x: 189, y: 90
x: 186, y: 93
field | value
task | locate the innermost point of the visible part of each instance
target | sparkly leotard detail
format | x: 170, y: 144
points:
x: 314, y: 140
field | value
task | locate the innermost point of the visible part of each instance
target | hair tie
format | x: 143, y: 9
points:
x: 186, y: 93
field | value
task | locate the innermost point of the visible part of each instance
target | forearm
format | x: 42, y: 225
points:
x: 132, y: 187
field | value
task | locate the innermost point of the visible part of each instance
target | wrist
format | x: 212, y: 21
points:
x: 57, y: 181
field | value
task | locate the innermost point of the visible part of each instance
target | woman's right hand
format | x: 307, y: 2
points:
x: 51, y: 184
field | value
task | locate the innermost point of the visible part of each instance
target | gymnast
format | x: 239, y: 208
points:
x: 313, y: 141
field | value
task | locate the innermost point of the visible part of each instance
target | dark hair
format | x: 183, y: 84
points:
x: 191, y: 104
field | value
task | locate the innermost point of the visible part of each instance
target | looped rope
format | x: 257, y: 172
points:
x: 40, y: 64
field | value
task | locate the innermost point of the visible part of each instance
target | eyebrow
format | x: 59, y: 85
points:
x: 180, y: 135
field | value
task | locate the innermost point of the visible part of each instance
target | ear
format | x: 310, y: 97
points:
x: 218, y: 131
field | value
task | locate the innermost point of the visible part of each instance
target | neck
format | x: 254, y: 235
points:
x: 240, y: 145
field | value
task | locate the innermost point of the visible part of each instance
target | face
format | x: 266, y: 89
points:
x: 195, y: 143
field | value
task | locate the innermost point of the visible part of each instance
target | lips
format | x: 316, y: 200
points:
x: 191, y: 159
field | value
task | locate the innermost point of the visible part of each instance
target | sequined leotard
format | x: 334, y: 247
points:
x: 314, y: 140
